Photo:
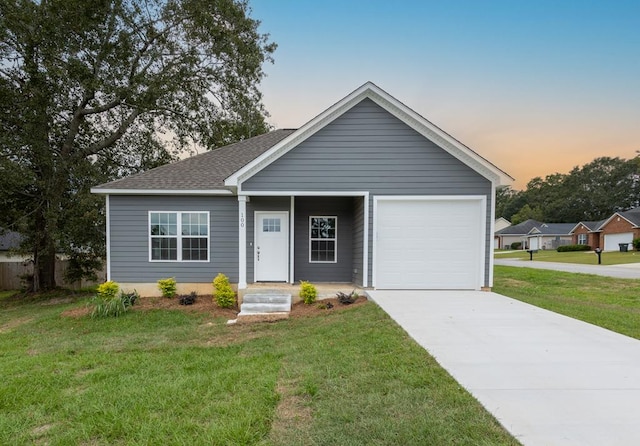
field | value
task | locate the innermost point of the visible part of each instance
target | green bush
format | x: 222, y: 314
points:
x: 108, y: 302
x: 636, y: 244
x: 223, y: 294
x: 516, y: 245
x: 167, y: 287
x: 108, y: 290
x: 308, y: 292
x: 571, y: 248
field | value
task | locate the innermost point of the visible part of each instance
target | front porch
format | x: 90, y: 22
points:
x: 317, y: 237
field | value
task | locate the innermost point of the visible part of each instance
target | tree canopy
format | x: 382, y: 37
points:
x: 591, y: 192
x: 92, y: 91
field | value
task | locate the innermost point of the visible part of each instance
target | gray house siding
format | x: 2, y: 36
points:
x: 260, y: 204
x: 340, y: 207
x: 129, y: 233
x: 358, y: 245
x: 368, y: 149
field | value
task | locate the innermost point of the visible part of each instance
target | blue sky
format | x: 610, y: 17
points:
x: 537, y: 87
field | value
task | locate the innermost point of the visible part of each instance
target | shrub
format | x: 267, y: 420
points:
x: 108, y: 290
x: 636, y: 244
x: 308, y: 292
x: 108, y: 302
x: 188, y: 299
x: 571, y: 248
x: 223, y: 295
x: 347, y: 299
x: 516, y: 245
x: 167, y: 287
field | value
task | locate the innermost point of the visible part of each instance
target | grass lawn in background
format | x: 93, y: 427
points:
x: 347, y: 377
x: 608, y: 302
x: 582, y: 257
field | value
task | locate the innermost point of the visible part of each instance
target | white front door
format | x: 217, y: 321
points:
x: 272, y: 246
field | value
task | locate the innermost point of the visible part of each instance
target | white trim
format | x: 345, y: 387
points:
x: 179, y: 236
x: 393, y: 106
x: 365, y: 244
x: 492, y: 231
x: 334, y: 239
x: 108, y: 234
x: 242, y: 242
x: 482, y: 201
x: 255, y: 236
x: 305, y: 193
x: 161, y: 191
x: 292, y: 239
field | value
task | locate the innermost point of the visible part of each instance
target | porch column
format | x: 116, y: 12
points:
x: 242, y: 242
x: 292, y: 215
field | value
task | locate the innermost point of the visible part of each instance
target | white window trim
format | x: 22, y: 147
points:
x: 334, y: 239
x: 179, y: 236
x: 586, y: 239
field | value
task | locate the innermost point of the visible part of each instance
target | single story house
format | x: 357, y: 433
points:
x: 587, y: 233
x: 9, y: 240
x: 550, y: 235
x: 367, y: 192
x: 516, y: 234
x: 498, y: 225
x: 621, y: 227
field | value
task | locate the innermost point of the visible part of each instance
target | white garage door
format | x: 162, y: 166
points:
x: 429, y: 243
x: 611, y: 241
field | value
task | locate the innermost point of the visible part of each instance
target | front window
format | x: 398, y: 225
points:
x: 582, y: 239
x: 179, y: 236
x: 323, y: 241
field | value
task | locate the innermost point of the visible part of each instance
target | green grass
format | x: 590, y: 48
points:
x: 171, y: 377
x: 582, y: 257
x: 610, y: 303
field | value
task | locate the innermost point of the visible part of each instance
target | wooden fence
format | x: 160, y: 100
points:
x: 12, y: 273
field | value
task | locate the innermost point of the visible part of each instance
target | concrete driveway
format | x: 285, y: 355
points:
x: 549, y: 379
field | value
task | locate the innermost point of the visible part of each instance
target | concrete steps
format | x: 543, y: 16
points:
x: 264, y: 307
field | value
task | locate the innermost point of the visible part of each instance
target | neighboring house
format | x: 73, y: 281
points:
x: 516, y: 234
x: 367, y: 192
x: 621, y: 227
x: 550, y: 235
x: 587, y: 233
x: 9, y: 240
x: 498, y: 225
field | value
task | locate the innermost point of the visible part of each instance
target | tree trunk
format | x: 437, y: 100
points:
x: 44, y: 258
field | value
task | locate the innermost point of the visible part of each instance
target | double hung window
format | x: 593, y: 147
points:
x: 323, y: 241
x: 179, y: 236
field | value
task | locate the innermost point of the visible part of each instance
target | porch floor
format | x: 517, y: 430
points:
x: 325, y: 290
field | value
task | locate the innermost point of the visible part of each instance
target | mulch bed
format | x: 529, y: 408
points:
x: 205, y: 304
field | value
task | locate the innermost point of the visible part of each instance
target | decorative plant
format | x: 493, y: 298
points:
x: 167, y: 287
x: 347, y: 299
x: 308, y: 292
x: 108, y: 290
x: 188, y: 299
x: 636, y: 244
x: 223, y: 294
x: 109, y: 302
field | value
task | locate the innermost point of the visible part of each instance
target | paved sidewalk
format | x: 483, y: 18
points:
x: 626, y: 271
x: 549, y: 379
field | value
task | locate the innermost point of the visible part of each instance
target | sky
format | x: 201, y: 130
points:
x: 535, y: 86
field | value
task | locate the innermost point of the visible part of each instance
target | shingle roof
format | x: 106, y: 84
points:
x: 206, y: 171
x: 555, y: 228
x: 633, y: 215
x: 591, y: 225
x: 521, y: 228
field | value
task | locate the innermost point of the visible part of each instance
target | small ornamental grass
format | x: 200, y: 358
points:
x: 167, y: 287
x: 110, y: 302
x: 223, y: 294
x: 308, y: 292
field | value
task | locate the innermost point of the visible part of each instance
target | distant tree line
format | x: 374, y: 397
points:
x: 588, y: 193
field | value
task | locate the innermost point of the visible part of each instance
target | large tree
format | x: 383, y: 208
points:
x: 93, y: 90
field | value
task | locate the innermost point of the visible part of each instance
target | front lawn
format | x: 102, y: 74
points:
x: 583, y: 257
x: 604, y: 301
x: 167, y: 376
